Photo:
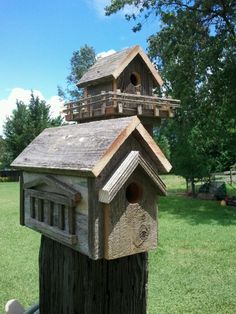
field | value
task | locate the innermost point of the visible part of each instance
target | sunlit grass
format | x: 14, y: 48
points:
x: 192, y: 271
x: 18, y: 251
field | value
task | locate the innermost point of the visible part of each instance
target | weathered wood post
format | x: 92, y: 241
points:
x: 91, y: 189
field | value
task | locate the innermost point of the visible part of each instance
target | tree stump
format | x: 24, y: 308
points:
x: 71, y: 283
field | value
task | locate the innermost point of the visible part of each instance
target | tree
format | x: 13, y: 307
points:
x: 195, y: 52
x: 80, y: 62
x: 25, y: 123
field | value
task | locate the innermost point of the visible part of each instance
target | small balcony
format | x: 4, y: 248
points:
x: 116, y: 104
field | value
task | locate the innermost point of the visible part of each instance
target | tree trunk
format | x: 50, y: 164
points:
x: 187, y: 185
x: 71, y: 283
x: 193, y: 187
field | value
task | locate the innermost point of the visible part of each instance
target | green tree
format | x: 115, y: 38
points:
x: 25, y: 123
x: 80, y: 62
x: 195, y: 52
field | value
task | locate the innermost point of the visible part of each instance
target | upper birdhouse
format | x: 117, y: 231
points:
x: 121, y: 84
x: 94, y: 186
x: 129, y: 71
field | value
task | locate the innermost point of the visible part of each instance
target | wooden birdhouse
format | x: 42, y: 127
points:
x: 94, y: 187
x: 121, y: 84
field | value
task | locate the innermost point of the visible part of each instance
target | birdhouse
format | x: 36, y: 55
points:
x: 121, y: 84
x: 129, y: 71
x: 94, y: 187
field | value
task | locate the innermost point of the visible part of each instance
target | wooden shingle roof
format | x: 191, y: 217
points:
x: 86, y: 147
x: 113, y: 65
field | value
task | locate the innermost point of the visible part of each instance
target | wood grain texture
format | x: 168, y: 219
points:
x: 74, y: 147
x: 52, y: 232
x: 122, y: 174
x: 112, y: 66
x: 85, y: 147
x: 61, y: 216
x: 22, y: 200
x: 131, y: 228
x: 71, y: 283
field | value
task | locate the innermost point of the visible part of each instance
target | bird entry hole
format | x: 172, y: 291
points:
x: 134, y: 193
x: 135, y: 79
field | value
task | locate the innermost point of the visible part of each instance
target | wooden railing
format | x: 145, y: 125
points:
x: 119, y: 104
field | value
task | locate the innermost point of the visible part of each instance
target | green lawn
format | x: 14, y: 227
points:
x: 193, y: 270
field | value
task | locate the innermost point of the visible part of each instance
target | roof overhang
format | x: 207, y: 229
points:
x: 163, y: 164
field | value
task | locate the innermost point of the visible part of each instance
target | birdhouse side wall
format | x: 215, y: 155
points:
x: 98, y: 88
x: 131, y: 226
x: 48, y: 210
x: 138, y: 66
x: 96, y: 209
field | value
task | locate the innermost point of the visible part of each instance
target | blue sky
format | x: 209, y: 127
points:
x: 37, y: 39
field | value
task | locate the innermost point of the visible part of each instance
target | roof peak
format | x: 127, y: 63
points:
x: 113, y: 65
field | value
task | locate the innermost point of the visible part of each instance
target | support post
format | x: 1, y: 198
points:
x: 71, y: 283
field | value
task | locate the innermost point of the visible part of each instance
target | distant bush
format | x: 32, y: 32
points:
x: 4, y: 179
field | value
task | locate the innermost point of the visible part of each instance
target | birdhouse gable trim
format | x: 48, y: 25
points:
x: 120, y: 139
x: 164, y: 165
x: 122, y: 174
x: 137, y: 50
x: 63, y: 188
x: 134, y: 125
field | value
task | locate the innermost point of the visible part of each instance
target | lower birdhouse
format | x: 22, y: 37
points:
x: 94, y: 187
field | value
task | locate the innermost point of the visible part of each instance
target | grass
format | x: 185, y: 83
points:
x: 18, y: 251
x: 193, y: 270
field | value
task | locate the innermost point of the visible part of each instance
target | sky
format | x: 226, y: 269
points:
x: 37, y: 39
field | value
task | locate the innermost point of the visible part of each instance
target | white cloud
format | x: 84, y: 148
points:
x: 7, y: 105
x: 105, y: 53
x: 99, y: 6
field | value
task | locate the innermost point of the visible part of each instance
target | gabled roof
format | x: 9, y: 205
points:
x: 122, y: 174
x: 86, y: 147
x: 113, y: 65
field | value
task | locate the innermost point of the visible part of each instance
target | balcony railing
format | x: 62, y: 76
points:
x: 112, y: 104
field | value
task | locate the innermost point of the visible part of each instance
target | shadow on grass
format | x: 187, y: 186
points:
x: 198, y: 211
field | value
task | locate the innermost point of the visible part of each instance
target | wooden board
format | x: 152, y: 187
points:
x: 72, y: 283
x: 56, y: 217
x: 131, y: 228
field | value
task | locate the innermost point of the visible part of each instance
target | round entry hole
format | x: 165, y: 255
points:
x: 134, y: 192
x: 135, y: 78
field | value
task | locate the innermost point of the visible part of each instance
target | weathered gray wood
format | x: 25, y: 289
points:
x: 88, y: 146
x: 122, y: 174
x: 52, y: 232
x: 112, y: 66
x: 131, y: 223
x: 32, y: 206
x: 52, y: 180
x: 48, y: 196
x: 71, y: 283
x: 95, y: 223
x: 73, y: 147
x: 22, y: 200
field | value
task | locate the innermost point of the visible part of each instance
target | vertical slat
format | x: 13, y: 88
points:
x: 51, y: 214
x: 139, y: 109
x: 120, y: 107
x: 32, y: 207
x: 40, y: 210
x: 71, y: 220
x: 61, y: 216
x: 22, y: 201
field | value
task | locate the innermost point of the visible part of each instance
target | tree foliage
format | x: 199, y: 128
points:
x: 80, y: 62
x: 195, y: 52
x: 25, y: 123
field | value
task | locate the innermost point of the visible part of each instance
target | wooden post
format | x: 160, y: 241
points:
x: 71, y: 283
